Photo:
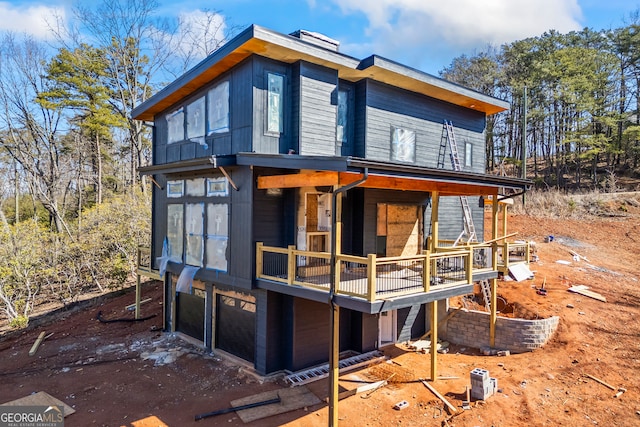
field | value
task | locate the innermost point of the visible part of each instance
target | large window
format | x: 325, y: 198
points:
x: 403, y: 145
x: 275, y: 99
x: 197, y: 231
x: 175, y: 126
x: 195, y: 234
x: 217, y: 235
x: 175, y: 213
x: 195, y: 121
x: 219, y: 108
x: 343, y: 111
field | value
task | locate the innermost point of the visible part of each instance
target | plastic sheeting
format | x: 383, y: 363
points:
x: 219, y: 108
x: 175, y: 126
x: 194, y: 230
x: 185, y: 280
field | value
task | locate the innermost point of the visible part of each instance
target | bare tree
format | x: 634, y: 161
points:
x: 30, y: 132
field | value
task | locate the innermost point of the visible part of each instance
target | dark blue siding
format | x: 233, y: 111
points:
x: 318, y: 99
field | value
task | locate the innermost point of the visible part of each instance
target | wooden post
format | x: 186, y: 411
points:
x: 426, y: 271
x: 434, y: 340
x: 435, y: 205
x: 138, y: 292
x: 291, y: 264
x: 504, y: 219
x: 371, y: 277
x: 334, y: 354
x: 259, y: 259
x: 468, y: 265
x: 494, y: 265
x: 137, y: 314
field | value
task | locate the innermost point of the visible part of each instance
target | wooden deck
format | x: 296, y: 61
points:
x: 373, y: 278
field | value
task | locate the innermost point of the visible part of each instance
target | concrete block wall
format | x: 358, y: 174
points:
x: 471, y: 328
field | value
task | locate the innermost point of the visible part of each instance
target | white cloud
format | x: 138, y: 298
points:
x: 34, y: 19
x: 415, y: 28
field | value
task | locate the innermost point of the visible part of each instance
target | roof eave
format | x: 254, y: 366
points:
x: 256, y: 40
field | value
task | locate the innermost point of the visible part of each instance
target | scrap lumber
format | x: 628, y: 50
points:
x: 601, y: 382
x: 584, y: 290
x: 239, y: 408
x: 291, y: 399
x: 439, y: 396
x: 41, y: 398
x: 132, y: 306
x: 361, y: 389
x: 36, y: 344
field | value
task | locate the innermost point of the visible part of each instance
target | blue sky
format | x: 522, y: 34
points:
x: 425, y: 34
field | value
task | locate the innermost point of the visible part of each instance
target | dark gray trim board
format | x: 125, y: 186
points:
x: 361, y: 305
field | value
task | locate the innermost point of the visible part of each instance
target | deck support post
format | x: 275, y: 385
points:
x: 494, y: 265
x: 334, y: 319
x: 434, y: 340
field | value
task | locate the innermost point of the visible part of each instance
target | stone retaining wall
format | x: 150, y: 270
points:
x: 471, y: 328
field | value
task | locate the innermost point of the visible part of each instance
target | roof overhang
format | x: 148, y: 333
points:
x: 256, y: 40
x: 323, y: 171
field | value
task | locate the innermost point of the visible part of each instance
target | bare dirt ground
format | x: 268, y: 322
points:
x: 98, y: 368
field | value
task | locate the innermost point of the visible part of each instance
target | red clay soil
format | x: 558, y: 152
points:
x: 97, y: 368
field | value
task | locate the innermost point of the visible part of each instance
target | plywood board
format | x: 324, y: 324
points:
x: 582, y: 290
x: 290, y: 400
x: 41, y: 398
x: 520, y: 272
x: 403, y: 232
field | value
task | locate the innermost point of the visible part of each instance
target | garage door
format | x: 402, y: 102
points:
x: 190, y: 315
x: 235, y: 326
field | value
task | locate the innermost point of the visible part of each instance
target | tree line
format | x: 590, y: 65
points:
x: 73, y: 208
x: 578, y: 94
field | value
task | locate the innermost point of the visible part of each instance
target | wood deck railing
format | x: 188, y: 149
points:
x: 373, y: 277
x: 518, y: 252
x: 144, y: 264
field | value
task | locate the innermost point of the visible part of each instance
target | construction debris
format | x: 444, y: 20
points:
x: 239, y: 408
x: 132, y: 307
x: 41, y: 398
x: 401, y: 405
x: 291, y: 399
x: 314, y: 374
x: 598, y: 380
x: 439, y: 396
x: 583, y: 290
x: 621, y: 390
x: 36, y: 344
x: 424, y: 346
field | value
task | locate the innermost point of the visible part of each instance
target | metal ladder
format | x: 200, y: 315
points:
x: 486, y: 294
x: 319, y: 372
x: 447, y: 132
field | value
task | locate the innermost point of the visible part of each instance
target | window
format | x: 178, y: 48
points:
x: 175, y: 126
x: 195, y: 121
x: 468, y: 154
x: 403, y: 145
x: 195, y: 187
x: 195, y: 234
x: 343, y: 110
x: 175, y: 231
x: 217, y: 187
x: 275, y: 110
x: 175, y: 189
x: 217, y: 235
x: 219, y: 108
